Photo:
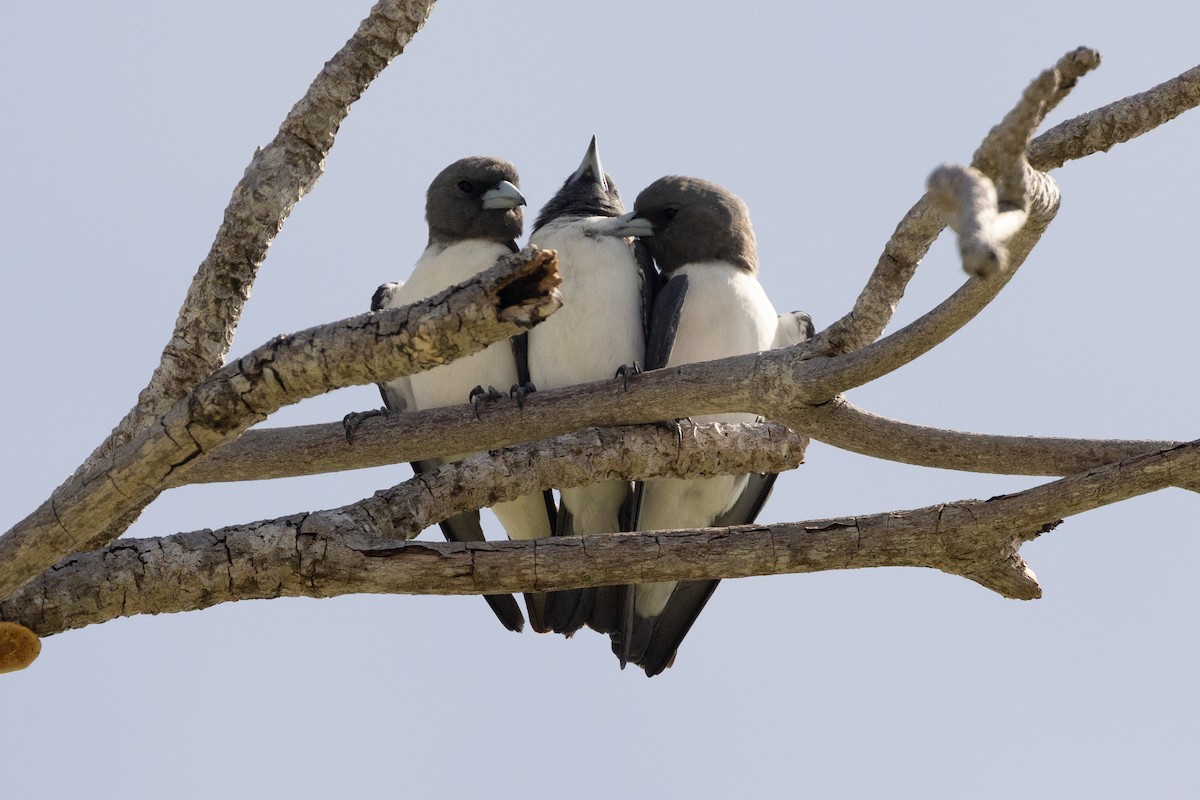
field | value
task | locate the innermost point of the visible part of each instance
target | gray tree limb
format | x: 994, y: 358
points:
x: 278, y: 176
x: 316, y: 449
x: 692, y: 451
x: 1100, y: 130
x: 519, y: 291
x: 1001, y: 158
x: 332, y: 553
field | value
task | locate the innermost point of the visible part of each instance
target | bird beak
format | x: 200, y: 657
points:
x: 625, y: 225
x: 591, y: 166
x: 503, y: 195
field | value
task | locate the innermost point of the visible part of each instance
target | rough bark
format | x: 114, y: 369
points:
x: 690, y: 451
x: 331, y: 553
x: 277, y: 177
x: 519, y: 291
x: 1093, y: 132
x: 191, y: 410
x: 1100, y: 130
x: 317, y: 449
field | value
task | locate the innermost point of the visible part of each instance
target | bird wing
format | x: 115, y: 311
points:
x: 465, y: 527
x: 397, y: 399
x: 664, y: 321
x: 535, y: 602
x: 651, y: 642
x: 689, y: 597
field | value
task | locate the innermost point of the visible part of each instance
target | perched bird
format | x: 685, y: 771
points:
x: 473, y: 208
x: 710, y: 305
x: 600, y: 327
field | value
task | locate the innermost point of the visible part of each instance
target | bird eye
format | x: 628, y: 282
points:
x: 670, y: 212
x: 466, y: 186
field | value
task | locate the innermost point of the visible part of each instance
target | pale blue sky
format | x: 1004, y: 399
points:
x: 128, y: 127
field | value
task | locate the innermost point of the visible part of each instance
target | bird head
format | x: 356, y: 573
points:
x: 475, y: 198
x: 587, y: 192
x: 688, y: 220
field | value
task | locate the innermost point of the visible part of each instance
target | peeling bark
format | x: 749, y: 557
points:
x: 324, y: 554
x: 519, y: 291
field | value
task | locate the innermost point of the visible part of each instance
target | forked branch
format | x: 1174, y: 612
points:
x: 511, y: 297
x: 332, y: 553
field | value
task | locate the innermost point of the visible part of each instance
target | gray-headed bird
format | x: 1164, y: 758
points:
x: 473, y: 208
x: 709, y: 305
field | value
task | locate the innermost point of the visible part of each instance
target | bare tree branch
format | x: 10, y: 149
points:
x: 269, y: 453
x: 1001, y: 155
x: 340, y: 551
x: 278, y: 176
x: 596, y: 454
x: 840, y: 424
x: 987, y: 204
x: 967, y: 201
x: 692, y: 451
x: 830, y: 377
x: 329, y: 553
x: 1093, y: 132
x: 519, y: 291
x: 673, y: 393
x: 1099, y: 130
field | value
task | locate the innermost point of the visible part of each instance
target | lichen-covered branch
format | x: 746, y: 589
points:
x: 692, y: 451
x: 278, y: 176
x: 1099, y: 130
x: 519, y: 291
x: 664, y: 394
x: 594, y: 455
x: 331, y: 553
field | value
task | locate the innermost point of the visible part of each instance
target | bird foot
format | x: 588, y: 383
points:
x: 480, y: 397
x: 351, y: 421
x: 625, y: 370
x: 674, y: 426
x: 519, y: 391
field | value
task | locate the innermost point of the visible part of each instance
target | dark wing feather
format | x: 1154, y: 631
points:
x: 689, y: 597
x: 650, y: 282
x: 751, y: 501
x: 520, y: 351
x: 635, y: 634
x: 569, y: 610
x: 673, y: 624
x: 465, y: 527
x: 536, y: 603
x: 664, y: 321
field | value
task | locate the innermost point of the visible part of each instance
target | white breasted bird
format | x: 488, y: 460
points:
x: 600, y: 327
x: 709, y: 305
x: 473, y: 208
